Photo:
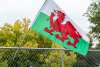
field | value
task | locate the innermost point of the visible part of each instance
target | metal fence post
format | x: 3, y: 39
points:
x: 62, y: 57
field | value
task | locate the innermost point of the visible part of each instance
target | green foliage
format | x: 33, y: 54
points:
x: 20, y: 35
x: 94, y: 15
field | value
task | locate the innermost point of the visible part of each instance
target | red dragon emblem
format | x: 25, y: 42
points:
x: 66, y: 29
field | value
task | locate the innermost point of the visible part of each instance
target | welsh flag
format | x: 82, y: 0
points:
x: 53, y: 23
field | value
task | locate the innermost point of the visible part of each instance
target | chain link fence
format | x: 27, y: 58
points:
x: 46, y: 57
x: 91, y: 60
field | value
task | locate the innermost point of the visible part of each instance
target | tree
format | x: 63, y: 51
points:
x: 20, y: 35
x: 94, y: 17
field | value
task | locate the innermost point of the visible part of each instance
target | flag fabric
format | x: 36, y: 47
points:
x: 53, y: 23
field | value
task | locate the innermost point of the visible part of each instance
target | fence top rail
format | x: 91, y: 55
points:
x: 25, y: 48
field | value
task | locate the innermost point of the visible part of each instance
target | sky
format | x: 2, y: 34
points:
x: 11, y: 10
